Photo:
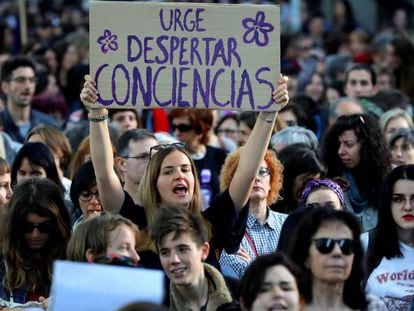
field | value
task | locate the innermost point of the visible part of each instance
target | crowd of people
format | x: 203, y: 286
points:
x: 309, y: 206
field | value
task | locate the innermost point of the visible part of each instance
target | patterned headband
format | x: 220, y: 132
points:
x: 315, y: 184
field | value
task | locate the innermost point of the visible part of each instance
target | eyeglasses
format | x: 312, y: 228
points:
x: 401, y: 200
x: 326, y: 245
x: 157, y: 148
x: 183, y: 128
x: 116, y: 260
x: 263, y: 172
x: 142, y: 156
x: 43, y: 227
x: 22, y: 80
x: 86, y: 196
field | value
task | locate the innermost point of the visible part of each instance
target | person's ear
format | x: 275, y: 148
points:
x: 5, y: 87
x: 205, y: 249
x: 119, y: 162
x: 89, y: 256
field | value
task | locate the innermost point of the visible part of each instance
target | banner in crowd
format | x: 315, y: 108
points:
x: 84, y: 286
x: 184, y: 55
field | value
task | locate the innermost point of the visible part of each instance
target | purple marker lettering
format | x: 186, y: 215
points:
x: 166, y: 28
x: 100, y: 100
x: 232, y: 46
x: 199, y: 20
x: 115, y: 80
x: 139, y: 84
x: 266, y: 82
x: 147, y: 48
x: 134, y: 48
x: 177, y: 20
x: 194, y: 52
x: 213, y: 89
x: 232, y: 87
x: 181, y: 85
x: 189, y: 24
x: 154, y: 87
x: 245, y: 89
x: 182, y: 61
x: 174, y: 44
x: 174, y: 87
x: 207, y: 41
x: 218, y: 53
x: 163, y: 49
x: 198, y: 88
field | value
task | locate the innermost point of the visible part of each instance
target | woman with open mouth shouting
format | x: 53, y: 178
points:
x: 170, y: 179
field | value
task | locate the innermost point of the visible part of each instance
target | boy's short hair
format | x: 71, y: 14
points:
x: 14, y: 63
x: 178, y: 220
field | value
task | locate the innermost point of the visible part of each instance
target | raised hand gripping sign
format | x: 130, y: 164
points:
x: 184, y: 55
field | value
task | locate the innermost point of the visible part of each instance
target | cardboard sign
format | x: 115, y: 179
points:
x: 184, y: 55
x: 85, y: 286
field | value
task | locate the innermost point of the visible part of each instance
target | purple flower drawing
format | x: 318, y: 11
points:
x: 257, y: 29
x: 108, y: 41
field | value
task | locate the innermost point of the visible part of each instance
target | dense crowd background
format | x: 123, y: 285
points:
x: 328, y: 184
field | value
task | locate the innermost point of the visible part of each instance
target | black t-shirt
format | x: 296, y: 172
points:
x: 212, y: 161
x: 133, y: 212
x: 227, y: 227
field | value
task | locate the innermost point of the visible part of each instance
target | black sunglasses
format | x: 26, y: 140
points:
x: 183, y: 128
x: 157, y: 148
x: 326, y: 245
x: 116, y: 260
x: 43, y: 227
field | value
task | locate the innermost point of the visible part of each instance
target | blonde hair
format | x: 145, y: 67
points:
x: 93, y: 234
x: 148, y: 191
x: 276, y: 170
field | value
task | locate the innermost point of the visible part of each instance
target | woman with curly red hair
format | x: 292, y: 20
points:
x: 263, y: 225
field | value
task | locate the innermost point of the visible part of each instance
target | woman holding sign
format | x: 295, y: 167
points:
x: 170, y: 177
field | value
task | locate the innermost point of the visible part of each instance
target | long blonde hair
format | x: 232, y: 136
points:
x: 148, y: 191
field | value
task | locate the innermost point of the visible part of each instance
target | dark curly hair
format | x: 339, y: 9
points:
x: 374, y: 155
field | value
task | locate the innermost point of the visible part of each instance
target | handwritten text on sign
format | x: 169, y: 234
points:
x: 151, y: 55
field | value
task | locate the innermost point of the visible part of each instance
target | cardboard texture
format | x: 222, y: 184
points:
x: 184, y: 55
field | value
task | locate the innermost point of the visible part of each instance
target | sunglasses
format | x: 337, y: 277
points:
x: 116, y: 260
x: 43, y: 227
x: 157, y: 148
x: 183, y: 128
x: 326, y: 245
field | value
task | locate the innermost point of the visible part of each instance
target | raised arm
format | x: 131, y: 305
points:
x: 255, y: 149
x: 110, y: 188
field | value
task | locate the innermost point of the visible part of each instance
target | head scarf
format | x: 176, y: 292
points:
x: 315, y: 184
